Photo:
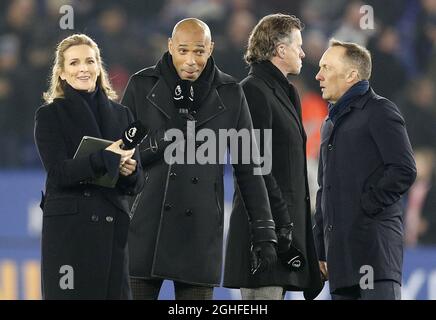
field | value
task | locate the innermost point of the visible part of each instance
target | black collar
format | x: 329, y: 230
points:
x: 160, y: 96
x: 271, y: 73
x: 201, y: 86
x: 82, y: 117
x: 281, y: 87
x: 360, y: 103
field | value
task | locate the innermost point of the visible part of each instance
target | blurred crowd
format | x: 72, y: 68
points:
x: 133, y: 34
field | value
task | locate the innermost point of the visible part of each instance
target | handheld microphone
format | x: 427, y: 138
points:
x: 133, y: 135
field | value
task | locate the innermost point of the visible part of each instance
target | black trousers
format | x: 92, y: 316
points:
x: 383, y: 290
x: 148, y: 289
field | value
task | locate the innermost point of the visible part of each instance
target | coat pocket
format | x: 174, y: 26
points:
x: 372, y: 180
x: 58, y: 207
x: 368, y: 203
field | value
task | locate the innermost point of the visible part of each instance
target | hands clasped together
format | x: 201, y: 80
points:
x: 127, y: 163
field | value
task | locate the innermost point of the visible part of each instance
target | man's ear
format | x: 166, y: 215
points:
x: 280, y: 51
x: 170, y: 46
x: 212, y: 44
x: 353, y: 76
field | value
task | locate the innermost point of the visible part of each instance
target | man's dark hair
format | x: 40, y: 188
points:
x: 271, y: 30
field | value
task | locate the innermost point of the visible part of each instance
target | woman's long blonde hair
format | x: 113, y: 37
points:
x: 55, y: 89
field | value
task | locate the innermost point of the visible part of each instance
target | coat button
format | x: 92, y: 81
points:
x: 94, y: 218
x: 329, y: 188
x: 173, y: 175
x: 330, y: 146
x: 194, y: 112
x: 188, y: 212
x: 307, y: 198
x: 220, y: 107
x: 86, y: 193
x: 167, y: 207
x: 194, y: 180
x: 330, y: 227
x: 109, y: 219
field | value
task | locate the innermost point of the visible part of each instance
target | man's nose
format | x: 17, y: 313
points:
x: 318, y: 76
x: 302, y: 54
x: 191, y: 59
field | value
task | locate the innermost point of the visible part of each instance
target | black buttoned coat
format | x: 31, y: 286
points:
x: 85, y: 226
x: 366, y: 165
x: 177, y: 228
x: 273, y: 109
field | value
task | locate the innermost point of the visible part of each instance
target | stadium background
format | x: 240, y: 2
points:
x: 133, y: 34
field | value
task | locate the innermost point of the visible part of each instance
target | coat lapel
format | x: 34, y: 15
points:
x: 160, y: 97
x: 295, y: 99
x: 209, y: 109
x: 356, y: 104
x: 288, y: 104
x: 335, y: 126
x: 110, y: 120
x: 292, y: 104
x: 213, y: 105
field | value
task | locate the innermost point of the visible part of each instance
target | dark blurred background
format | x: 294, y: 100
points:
x: 133, y: 34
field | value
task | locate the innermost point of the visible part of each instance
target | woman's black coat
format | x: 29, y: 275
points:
x: 84, y: 226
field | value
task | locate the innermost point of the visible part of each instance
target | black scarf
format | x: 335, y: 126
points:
x: 93, y: 100
x: 357, y: 90
x: 201, y: 86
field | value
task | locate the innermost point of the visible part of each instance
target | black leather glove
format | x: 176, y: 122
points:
x: 263, y: 256
x: 289, y: 255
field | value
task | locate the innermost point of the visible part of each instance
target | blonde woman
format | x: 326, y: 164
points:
x: 85, y: 226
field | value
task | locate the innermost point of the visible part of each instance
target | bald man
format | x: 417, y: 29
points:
x: 177, y: 226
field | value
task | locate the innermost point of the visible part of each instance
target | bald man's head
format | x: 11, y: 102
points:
x: 190, y: 46
x: 192, y: 25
